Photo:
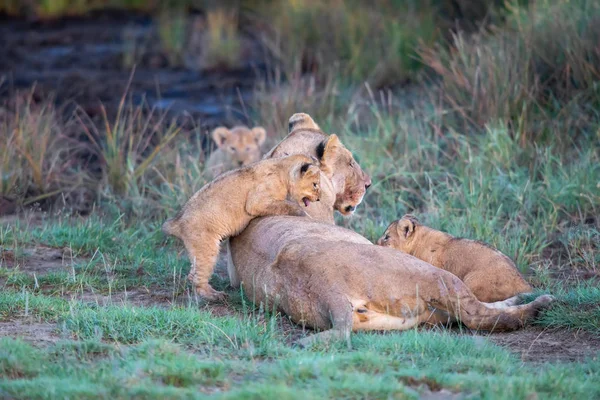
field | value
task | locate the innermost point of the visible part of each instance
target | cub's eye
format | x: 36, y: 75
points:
x: 387, y: 237
x: 314, y: 185
x: 232, y: 148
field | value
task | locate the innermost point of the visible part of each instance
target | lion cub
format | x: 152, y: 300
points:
x: 236, y: 147
x: 224, y: 207
x: 489, y: 274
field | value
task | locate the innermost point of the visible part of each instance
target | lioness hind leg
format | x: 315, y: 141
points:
x: 325, y: 337
x: 340, y: 315
x: 477, y: 315
x: 203, y: 251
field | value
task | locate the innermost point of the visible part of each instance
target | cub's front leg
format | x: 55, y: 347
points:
x: 261, y: 204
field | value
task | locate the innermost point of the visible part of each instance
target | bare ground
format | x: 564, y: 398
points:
x: 37, y: 333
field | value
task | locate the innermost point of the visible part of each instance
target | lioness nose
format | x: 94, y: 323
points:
x: 367, y: 181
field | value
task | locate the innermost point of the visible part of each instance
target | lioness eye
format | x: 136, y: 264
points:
x: 314, y: 185
x: 387, y: 237
x: 232, y: 148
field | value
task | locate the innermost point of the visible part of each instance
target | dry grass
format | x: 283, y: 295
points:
x: 37, y: 159
x: 538, y: 74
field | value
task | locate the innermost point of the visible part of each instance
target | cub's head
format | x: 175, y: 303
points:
x: 399, y: 234
x: 305, y: 180
x: 242, y: 145
x: 349, y: 180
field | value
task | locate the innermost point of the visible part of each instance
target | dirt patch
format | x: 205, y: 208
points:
x: 36, y: 333
x: 38, y: 260
x: 549, y: 345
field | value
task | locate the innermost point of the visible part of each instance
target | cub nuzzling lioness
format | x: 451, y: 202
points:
x: 489, y: 274
x: 224, y: 207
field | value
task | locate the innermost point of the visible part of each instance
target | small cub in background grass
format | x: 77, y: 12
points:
x: 489, y: 274
x: 225, y: 206
x: 236, y: 147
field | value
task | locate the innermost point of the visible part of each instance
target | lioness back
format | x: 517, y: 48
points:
x: 491, y: 275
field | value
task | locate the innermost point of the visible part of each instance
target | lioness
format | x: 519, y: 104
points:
x: 236, y: 147
x: 489, y: 274
x: 225, y: 206
x: 325, y: 276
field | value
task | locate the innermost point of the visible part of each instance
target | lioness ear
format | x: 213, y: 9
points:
x: 405, y: 227
x: 327, y: 149
x: 301, y: 120
x: 220, y: 135
x: 260, y: 134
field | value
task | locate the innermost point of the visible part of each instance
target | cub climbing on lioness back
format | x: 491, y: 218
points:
x: 489, y: 274
x: 224, y: 207
x: 236, y: 147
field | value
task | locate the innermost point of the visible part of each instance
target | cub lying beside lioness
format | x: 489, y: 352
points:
x: 225, y: 206
x: 489, y: 274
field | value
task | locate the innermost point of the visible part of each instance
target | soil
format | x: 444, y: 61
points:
x: 36, y: 333
x: 549, y: 345
x: 38, y: 260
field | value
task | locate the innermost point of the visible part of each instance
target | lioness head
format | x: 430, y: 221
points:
x: 305, y: 180
x: 243, y: 145
x: 349, y: 181
x: 399, y: 234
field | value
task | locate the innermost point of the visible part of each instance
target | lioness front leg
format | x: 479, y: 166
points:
x: 203, y: 250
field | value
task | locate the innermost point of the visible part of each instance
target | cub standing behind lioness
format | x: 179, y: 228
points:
x: 236, y: 147
x: 224, y: 207
x: 489, y: 274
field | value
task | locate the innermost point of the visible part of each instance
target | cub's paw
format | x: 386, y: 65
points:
x: 208, y: 293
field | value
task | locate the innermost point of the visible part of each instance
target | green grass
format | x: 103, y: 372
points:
x: 391, y: 365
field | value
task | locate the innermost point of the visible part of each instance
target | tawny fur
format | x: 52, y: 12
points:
x: 225, y: 206
x: 491, y: 275
x: 236, y: 147
x: 324, y: 276
x: 350, y: 182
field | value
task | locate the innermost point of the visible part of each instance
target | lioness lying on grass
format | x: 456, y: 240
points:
x: 225, y: 206
x: 333, y: 279
x: 489, y: 274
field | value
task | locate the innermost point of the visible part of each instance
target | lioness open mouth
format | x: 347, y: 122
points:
x: 306, y: 201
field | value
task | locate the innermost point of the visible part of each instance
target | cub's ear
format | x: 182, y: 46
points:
x: 300, y: 121
x: 260, y: 134
x: 405, y: 227
x: 220, y: 135
x: 304, y: 168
